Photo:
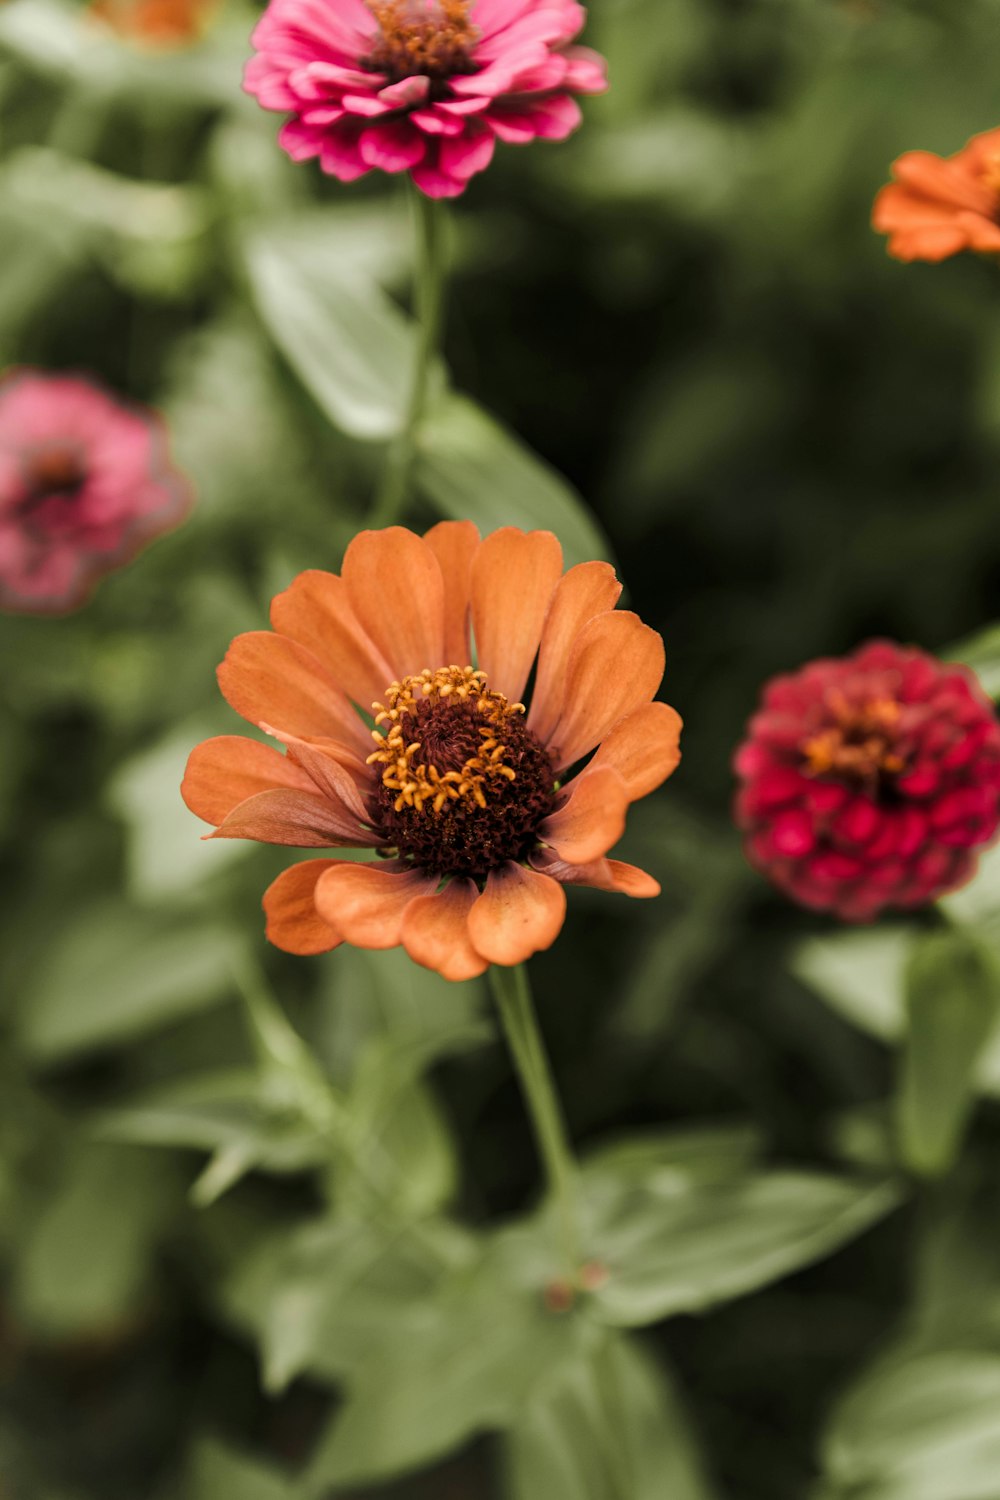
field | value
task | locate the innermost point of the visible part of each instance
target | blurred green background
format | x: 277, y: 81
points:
x: 787, y: 443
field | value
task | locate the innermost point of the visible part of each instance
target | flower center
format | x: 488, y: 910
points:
x: 859, y: 745
x: 464, y: 783
x: 56, y: 470
x: 432, y: 37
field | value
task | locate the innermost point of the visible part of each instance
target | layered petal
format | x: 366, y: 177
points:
x: 520, y: 912
x: 643, y: 747
x: 454, y: 545
x: 366, y: 903
x: 514, y: 575
x: 592, y: 818
x: 396, y: 591
x: 615, y: 667
x: 314, y: 610
x: 293, y: 923
x: 223, y: 772
x: 300, y: 820
x: 270, y: 679
x: 601, y: 874
x: 589, y: 589
x: 435, y: 931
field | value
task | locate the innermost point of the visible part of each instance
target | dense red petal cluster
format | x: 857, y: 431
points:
x: 421, y: 86
x: 870, y: 781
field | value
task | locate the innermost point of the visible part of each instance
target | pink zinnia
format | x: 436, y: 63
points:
x: 420, y: 86
x: 870, y: 781
x: 85, y: 482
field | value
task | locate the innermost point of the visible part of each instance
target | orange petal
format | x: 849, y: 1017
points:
x: 366, y: 903
x: 601, y: 874
x: 293, y: 923
x: 591, y: 820
x: 435, y: 932
x: 982, y: 235
x: 933, y: 244
x: 979, y: 152
x: 644, y: 748
x: 314, y: 611
x: 896, y: 207
x: 270, y: 679
x: 616, y: 666
x: 225, y: 771
x: 396, y: 590
x: 942, y: 181
x: 326, y: 769
x: 514, y: 574
x: 453, y: 544
x: 587, y: 590
x: 302, y: 820
x: 519, y: 913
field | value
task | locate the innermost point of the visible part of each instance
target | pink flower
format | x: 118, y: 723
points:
x: 420, y: 86
x: 871, y: 781
x: 85, y: 482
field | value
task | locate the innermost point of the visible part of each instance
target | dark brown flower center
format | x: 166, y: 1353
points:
x: 55, y: 470
x: 464, y: 783
x: 430, y: 37
x: 859, y: 744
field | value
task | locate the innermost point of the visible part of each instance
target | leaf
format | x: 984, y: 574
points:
x: 471, y: 1358
x: 86, y: 1259
x: 322, y: 1297
x: 351, y: 347
x: 673, y: 1244
x: 473, y: 469
x: 610, y: 1426
x: 660, y: 1158
x: 862, y: 974
x: 116, y: 972
x: 217, y: 1473
x: 953, y: 1002
x: 981, y: 653
x: 926, y: 1427
x: 167, y: 856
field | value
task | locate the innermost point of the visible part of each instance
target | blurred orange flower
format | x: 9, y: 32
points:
x: 939, y: 205
x: 156, y: 23
x: 480, y: 809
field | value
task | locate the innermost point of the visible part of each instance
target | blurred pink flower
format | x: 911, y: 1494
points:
x: 85, y: 482
x: 420, y: 86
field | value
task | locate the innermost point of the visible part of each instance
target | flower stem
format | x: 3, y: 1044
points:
x: 428, y: 299
x: 512, y: 993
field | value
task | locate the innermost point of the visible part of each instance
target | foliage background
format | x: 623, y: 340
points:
x: 787, y: 442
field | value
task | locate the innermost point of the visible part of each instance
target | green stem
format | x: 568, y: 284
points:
x: 512, y: 993
x: 428, y: 289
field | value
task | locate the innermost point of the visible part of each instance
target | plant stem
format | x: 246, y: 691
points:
x: 428, y: 298
x: 512, y: 993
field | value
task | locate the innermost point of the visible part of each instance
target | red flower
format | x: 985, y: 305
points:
x: 940, y: 205
x: 871, y: 781
x: 484, y: 791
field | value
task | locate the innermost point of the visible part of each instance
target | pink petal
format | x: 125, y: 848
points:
x: 463, y: 156
x: 406, y: 92
x: 394, y: 147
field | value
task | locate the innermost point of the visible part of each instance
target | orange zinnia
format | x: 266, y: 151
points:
x: 938, y: 205
x: 468, y: 798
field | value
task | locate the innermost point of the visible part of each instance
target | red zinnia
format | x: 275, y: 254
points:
x: 481, y: 811
x: 870, y: 781
x: 939, y: 205
x: 421, y: 86
x: 85, y: 482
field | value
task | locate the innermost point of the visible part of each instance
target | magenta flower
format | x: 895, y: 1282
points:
x: 85, y: 482
x: 420, y: 86
x: 870, y: 781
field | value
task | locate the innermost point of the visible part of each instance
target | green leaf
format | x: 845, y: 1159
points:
x: 472, y: 468
x: 471, y: 1358
x: 217, y: 1473
x: 661, y: 1158
x: 671, y: 1244
x: 351, y: 347
x: 953, y: 1002
x: 925, y: 1427
x: 981, y: 652
x: 324, y: 1296
x: 86, y: 1258
x: 116, y: 972
x: 610, y: 1426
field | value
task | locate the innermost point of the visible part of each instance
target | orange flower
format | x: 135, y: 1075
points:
x: 938, y: 205
x: 155, y: 23
x: 468, y: 797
